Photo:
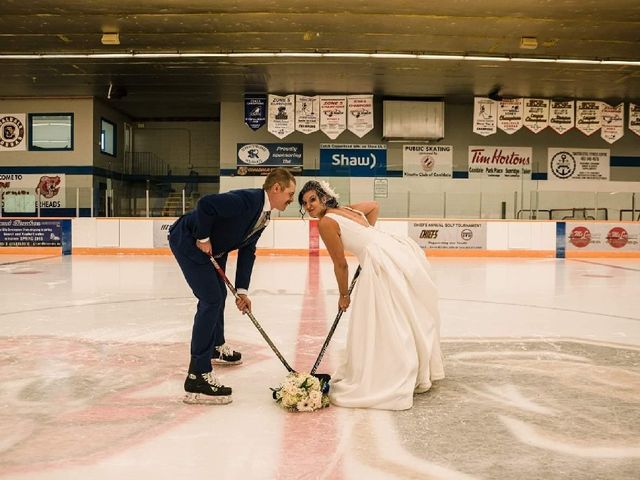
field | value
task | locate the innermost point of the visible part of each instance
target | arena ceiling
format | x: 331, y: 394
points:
x: 166, y: 57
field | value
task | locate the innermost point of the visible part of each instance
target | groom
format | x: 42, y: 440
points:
x: 219, y: 224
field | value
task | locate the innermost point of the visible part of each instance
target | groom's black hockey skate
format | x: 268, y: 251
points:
x: 204, y: 388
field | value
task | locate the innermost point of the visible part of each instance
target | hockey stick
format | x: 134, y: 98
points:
x: 333, y: 327
x: 253, y: 319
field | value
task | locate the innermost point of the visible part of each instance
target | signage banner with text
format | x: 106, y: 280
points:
x: 261, y: 158
x: 429, y: 161
x: 49, y: 189
x: 499, y: 162
x: 610, y: 237
x: 578, y: 163
x: 345, y: 160
x: 449, y: 235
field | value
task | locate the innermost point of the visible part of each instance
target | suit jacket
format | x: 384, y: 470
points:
x: 226, y: 218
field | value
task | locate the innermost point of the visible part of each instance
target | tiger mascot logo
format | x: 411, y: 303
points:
x: 48, y: 186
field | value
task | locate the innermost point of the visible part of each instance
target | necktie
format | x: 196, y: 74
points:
x: 262, y: 222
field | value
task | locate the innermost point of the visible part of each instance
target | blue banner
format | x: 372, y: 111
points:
x: 255, y: 110
x: 261, y: 158
x: 30, y: 233
x: 353, y: 160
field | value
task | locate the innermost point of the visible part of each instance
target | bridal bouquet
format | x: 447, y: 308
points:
x: 302, y: 392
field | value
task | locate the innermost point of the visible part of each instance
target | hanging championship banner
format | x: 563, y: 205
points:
x: 255, y: 110
x: 333, y: 116
x: 49, y: 190
x: 485, y: 114
x: 562, y: 116
x: 13, y: 132
x: 281, y: 115
x: 536, y: 114
x: 587, y: 116
x: 634, y: 118
x: 435, y: 161
x: 602, y: 236
x: 500, y: 162
x: 577, y: 163
x: 612, y: 122
x: 307, y: 114
x: 510, y: 115
x: 360, y: 118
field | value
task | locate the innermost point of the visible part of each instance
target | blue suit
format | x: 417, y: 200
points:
x: 227, y: 219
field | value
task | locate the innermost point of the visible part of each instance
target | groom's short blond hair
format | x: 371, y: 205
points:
x: 281, y: 176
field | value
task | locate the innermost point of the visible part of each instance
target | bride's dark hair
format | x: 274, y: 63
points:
x: 329, y: 199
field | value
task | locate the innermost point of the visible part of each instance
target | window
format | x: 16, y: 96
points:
x: 107, y: 137
x: 51, y: 131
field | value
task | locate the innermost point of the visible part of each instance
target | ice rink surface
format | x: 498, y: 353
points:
x: 542, y: 358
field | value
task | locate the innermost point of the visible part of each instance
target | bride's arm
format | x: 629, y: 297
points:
x: 330, y: 234
x: 370, y: 210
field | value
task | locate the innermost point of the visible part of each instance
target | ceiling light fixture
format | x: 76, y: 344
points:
x: 110, y: 38
x: 528, y: 43
x: 399, y: 56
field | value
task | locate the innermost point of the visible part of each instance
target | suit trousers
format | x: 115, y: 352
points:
x: 208, y: 322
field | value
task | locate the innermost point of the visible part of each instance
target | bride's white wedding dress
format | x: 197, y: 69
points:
x: 393, y: 338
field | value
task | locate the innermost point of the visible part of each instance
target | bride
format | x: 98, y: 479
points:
x: 393, y: 338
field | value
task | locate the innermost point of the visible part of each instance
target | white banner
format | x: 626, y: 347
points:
x: 485, y: 114
x: 499, y: 162
x: 634, y: 118
x: 449, y: 235
x: 333, y: 115
x: 435, y: 161
x: 595, y: 236
x: 360, y: 118
x: 307, y: 114
x: 161, y: 232
x: 281, y: 115
x: 13, y: 131
x: 49, y: 189
x: 562, y: 117
x: 510, y: 115
x: 536, y: 114
x: 578, y: 163
x: 587, y: 116
x: 612, y: 121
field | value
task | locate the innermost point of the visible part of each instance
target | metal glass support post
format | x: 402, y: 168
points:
x: 91, y: 202
x: 515, y: 204
x: 38, y: 205
x: 77, y: 202
x: 444, y: 204
x: 147, y: 202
